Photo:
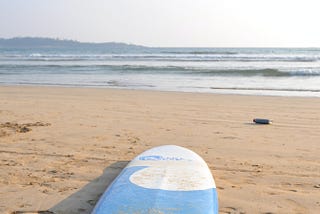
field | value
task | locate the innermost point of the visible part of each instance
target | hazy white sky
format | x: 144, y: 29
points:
x: 197, y: 23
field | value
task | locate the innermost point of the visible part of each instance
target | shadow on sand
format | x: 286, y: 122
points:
x: 85, y: 199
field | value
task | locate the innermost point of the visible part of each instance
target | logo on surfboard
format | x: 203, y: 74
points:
x: 160, y: 158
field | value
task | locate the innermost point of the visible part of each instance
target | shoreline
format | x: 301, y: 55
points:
x: 62, y: 146
x: 173, y: 91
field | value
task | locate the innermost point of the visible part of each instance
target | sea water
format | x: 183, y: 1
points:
x: 256, y: 71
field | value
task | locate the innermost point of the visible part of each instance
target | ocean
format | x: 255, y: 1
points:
x: 249, y: 71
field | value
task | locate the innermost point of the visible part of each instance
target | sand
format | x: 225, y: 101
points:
x: 61, y: 147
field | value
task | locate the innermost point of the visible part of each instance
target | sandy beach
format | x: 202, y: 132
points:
x: 61, y: 147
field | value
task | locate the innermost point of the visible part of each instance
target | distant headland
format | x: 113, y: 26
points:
x: 41, y: 42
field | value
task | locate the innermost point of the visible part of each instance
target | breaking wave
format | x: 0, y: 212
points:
x: 145, y: 69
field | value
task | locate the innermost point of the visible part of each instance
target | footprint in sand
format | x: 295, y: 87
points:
x: 231, y: 210
x: 18, y: 128
x: 3, y: 133
x: 317, y: 186
x: 297, y: 208
x: 290, y: 186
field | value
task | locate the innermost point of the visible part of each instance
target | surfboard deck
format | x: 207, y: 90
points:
x: 166, y: 179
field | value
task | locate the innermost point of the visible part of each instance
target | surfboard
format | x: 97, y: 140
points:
x: 166, y: 179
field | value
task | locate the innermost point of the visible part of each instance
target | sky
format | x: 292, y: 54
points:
x: 167, y: 23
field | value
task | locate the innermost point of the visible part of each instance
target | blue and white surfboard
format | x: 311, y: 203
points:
x: 165, y: 179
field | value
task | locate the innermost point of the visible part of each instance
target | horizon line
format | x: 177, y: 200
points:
x: 150, y: 46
